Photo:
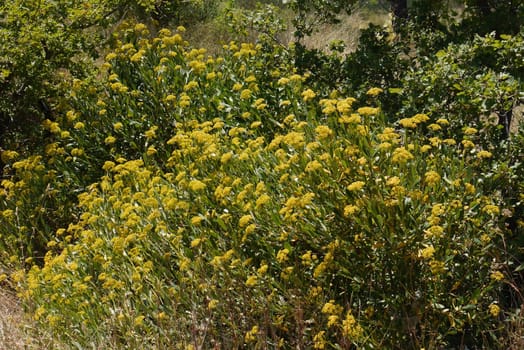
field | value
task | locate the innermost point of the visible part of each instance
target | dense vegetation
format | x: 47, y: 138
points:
x: 269, y: 195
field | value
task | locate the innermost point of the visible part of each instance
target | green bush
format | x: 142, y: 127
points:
x: 237, y: 208
x: 447, y: 86
x: 47, y: 44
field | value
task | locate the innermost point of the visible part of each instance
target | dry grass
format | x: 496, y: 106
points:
x: 212, y: 34
x: 12, y: 336
x: 347, y: 30
x: 515, y: 337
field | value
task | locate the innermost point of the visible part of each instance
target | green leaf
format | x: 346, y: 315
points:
x: 397, y: 91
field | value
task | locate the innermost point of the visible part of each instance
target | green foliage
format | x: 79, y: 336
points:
x: 263, y: 23
x: 378, y: 60
x: 47, y: 43
x: 447, y: 86
x: 266, y: 196
x: 311, y: 13
x: 39, y: 39
x: 227, y: 207
x: 179, y: 12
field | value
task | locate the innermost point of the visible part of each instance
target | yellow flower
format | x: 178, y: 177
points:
x: 408, y: 123
x: 312, y: 166
x: 251, y: 335
x: 401, y: 155
x: 484, y: 154
x: 263, y: 199
x: 308, y: 95
x: 469, y: 188
x: 237, y: 86
x: 438, y: 209
x: 190, y: 85
x: 427, y: 252
x: 421, y: 118
x: 77, y: 152
x: 467, y: 144
x: 251, y: 281
x: 296, y: 78
x: 350, y: 210
x: 319, y: 340
x: 294, y: 139
x: 196, y: 242
x: 374, y: 91
x: 262, y: 269
x: 259, y: 104
x: 356, y: 186
x: 226, y: 157
x: 307, y: 258
x: 393, y: 181
x: 344, y: 106
x: 494, y: 310
x: 425, y: 148
x: 108, y: 165
x: 470, y: 131
x: 434, y: 127
x: 354, y: 118
x: 323, y: 131
x: 350, y: 327
x: 249, y: 229
x: 117, y: 126
x: 110, y: 56
x: 212, y: 304
x: 196, y: 185
x: 137, y: 56
x: 329, y: 109
x: 139, y: 320
x: 139, y: 27
x: 491, y: 209
x: 151, y: 151
x: 283, y: 81
x: 436, y: 267
x: 434, y: 231
x: 331, y: 308
x: 244, y: 220
x: 110, y: 140
x: 255, y: 125
x: 39, y: 312
x: 284, y: 103
x: 332, y: 320
x: 164, y: 32
x: 432, y: 178
x: 9, y: 155
x: 79, y: 125
x: 368, y: 111
x: 245, y: 94
x: 151, y: 133
x: 282, y: 255
x: 497, y: 276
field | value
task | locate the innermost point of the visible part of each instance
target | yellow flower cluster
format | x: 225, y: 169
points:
x: 219, y: 193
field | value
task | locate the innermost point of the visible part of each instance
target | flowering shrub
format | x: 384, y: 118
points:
x: 225, y: 203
